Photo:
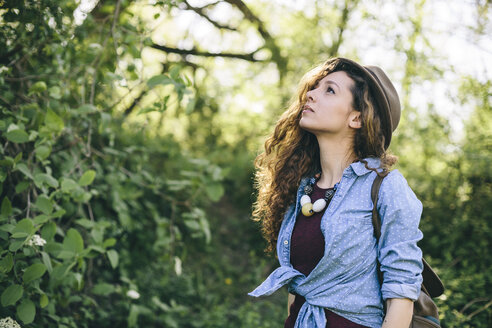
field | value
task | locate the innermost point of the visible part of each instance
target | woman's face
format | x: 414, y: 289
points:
x: 328, y: 109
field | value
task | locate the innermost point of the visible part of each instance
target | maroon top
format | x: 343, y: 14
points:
x: 307, y: 249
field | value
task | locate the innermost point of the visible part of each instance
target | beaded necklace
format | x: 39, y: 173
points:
x: 308, y: 207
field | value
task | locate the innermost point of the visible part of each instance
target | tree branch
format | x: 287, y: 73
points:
x: 200, y: 12
x: 249, y: 56
x: 348, y: 6
x: 269, y: 40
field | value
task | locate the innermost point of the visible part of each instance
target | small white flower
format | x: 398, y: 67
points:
x: 36, y: 240
x: 29, y: 27
x: 133, y: 294
x: 178, y: 268
x: 8, y: 322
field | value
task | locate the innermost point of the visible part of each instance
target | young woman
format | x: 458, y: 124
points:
x: 314, y: 202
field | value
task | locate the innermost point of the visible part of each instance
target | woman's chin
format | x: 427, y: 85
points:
x: 305, y: 124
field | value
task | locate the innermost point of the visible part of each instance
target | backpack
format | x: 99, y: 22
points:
x: 425, y: 310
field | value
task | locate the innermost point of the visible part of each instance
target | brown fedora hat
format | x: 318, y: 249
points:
x: 385, y: 95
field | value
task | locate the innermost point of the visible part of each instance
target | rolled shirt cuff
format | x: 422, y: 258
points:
x: 400, y: 291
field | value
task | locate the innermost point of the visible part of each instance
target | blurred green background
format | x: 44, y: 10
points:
x: 129, y: 130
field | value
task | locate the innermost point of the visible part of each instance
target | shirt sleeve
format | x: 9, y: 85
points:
x: 399, y: 255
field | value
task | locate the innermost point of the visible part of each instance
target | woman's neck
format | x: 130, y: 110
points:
x: 335, y: 156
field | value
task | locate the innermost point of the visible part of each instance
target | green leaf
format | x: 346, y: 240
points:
x: 40, y: 219
x: 85, y: 109
x: 158, y: 79
x: 15, y: 245
x: 41, y: 178
x: 17, y: 136
x: 26, y: 311
x: 103, y: 289
x: 85, y: 223
x: 21, y: 186
x: 190, y: 106
x: 24, y: 228
x: 47, y: 261
x: 43, y: 301
x: 37, y: 87
x: 34, y: 272
x: 44, y: 204
x: 146, y: 110
x: 214, y: 191
x: 42, y: 152
x: 55, y: 92
x: 53, y: 122
x: 68, y: 185
x: 98, y: 234
x: 6, y: 263
x: 78, y: 278
x: 174, y: 72
x: 7, y: 161
x: 87, y: 178
x: 48, y: 231
x: 18, y: 158
x: 73, y: 241
x: 7, y: 227
x: 60, y: 271
x: 58, y: 213
x: 12, y: 294
x: 109, y: 242
x: 96, y: 248
x: 24, y: 169
x: 6, y: 208
x: 113, y: 257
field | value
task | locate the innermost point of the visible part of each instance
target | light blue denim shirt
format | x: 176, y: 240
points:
x: 345, y: 280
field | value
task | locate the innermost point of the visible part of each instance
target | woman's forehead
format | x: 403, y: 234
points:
x: 339, y: 78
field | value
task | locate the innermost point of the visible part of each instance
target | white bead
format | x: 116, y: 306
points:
x: 319, y: 205
x: 305, y: 199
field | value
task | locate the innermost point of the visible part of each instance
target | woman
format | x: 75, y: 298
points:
x: 314, y: 202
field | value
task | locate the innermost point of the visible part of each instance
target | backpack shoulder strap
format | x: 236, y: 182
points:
x: 376, y: 219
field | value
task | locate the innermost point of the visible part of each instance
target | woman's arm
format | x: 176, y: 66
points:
x: 398, y: 313
x: 290, y: 300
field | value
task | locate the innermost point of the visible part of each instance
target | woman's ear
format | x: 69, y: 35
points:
x: 355, y: 121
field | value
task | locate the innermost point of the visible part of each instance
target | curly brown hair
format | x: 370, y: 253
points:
x: 292, y: 153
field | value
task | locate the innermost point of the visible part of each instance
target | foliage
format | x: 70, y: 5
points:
x: 126, y: 161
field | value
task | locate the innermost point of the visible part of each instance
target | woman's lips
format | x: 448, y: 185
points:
x: 306, y: 108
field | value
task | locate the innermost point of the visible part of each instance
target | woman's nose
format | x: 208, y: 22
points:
x: 310, y: 95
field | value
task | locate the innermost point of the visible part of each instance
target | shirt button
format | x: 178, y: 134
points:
x: 286, y: 242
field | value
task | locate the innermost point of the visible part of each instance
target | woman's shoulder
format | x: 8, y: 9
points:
x: 394, y: 179
x: 396, y: 190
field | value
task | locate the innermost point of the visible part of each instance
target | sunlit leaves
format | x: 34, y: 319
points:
x: 37, y: 88
x: 87, y: 178
x: 160, y: 79
x: 53, y: 122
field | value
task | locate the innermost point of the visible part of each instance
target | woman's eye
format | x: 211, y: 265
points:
x: 330, y: 90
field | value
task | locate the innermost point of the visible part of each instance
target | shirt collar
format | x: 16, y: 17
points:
x: 360, y: 169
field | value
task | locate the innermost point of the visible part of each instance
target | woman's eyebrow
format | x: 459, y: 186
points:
x: 332, y: 82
